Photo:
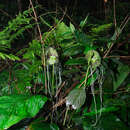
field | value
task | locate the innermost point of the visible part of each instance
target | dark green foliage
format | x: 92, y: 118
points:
x: 17, y: 107
x: 41, y: 125
x: 80, y: 65
x: 76, y: 61
x: 15, y: 29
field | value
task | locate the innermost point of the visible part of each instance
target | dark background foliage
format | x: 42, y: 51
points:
x: 28, y: 71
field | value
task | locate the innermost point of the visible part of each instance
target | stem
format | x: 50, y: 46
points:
x: 94, y: 99
x: 66, y: 115
x: 86, y: 77
x: 48, y: 81
x: 42, y: 41
x: 52, y: 80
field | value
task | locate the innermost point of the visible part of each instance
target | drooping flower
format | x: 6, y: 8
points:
x: 76, y: 98
x: 93, y: 58
x: 51, y: 56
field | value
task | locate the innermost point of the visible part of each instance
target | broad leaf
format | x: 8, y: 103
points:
x: 74, y: 50
x: 17, y: 107
x: 83, y: 23
x: 40, y: 125
x: 62, y: 32
x: 101, y: 28
x: 123, y: 71
x: 76, y: 98
x: 72, y: 28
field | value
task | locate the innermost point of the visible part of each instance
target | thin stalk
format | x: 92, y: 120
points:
x: 66, y: 115
x: 48, y: 81
x: 94, y: 99
x: 53, y: 67
x: 42, y: 41
x: 100, y: 89
x: 86, y: 77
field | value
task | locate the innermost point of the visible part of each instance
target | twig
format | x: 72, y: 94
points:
x: 39, y: 30
x: 115, y: 29
x: 35, y: 15
x: 127, y: 57
x: 69, y: 17
x: 5, y: 13
x: 60, y: 89
x: 115, y: 17
x: 53, y: 28
x: 62, y: 101
x: 125, y: 23
x: 125, y: 19
x: 121, y: 29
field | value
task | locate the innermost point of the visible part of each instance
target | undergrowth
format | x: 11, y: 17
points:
x: 76, y: 77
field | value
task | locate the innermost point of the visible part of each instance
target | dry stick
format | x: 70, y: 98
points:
x: 69, y: 18
x: 127, y: 57
x: 62, y: 101
x: 5, y: 13
x: 69, y: 89
x: 115, y: 29
x: 53, y: 28
x: 125, y: 23
x: 127, y: 18
x: 57, y: 93
x: 115, y: 23
x: 115, y: 17
x: 38, y: 27
x: 53, y: 12
x: 39, y: 30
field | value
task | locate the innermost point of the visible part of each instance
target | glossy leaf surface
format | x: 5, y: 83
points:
x: 17, y: 107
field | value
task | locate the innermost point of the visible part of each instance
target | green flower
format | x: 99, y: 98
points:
x: 51, y: 56
x: 93, y: 58
x: 52, y: 60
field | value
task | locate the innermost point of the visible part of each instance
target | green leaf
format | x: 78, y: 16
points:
x: 2, y: 56
x: 9, y: 56
x: 83, y: 23
x: 17, y: 107
x: 72, y: 28
x: 74, y: 50
x: 84, y: 39
x: 88, y: 48
x: 101, y: 28
x: 40, y: 125
x: 123, y: 71
x: 63, y: 32
x: 106, y: 122
x: 76, y: 61
x: 116, y: 34
x: 103, y: 110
